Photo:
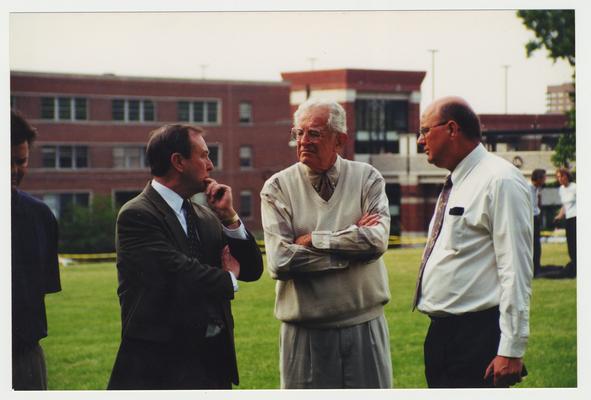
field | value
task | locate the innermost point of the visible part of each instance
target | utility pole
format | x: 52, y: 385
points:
x: 506, y: 67
x: 433, y: 51
x: 203, y: 68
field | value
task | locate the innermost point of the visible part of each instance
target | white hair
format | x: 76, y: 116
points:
x: 337, y: 117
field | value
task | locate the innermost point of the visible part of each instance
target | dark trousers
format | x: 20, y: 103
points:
x: 28, y: 367
x: 458, y: 349
x: 537, y: 245
x: 145, y: 365
x: 571, y: 241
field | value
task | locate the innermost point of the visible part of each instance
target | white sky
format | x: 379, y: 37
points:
x: 472, y: 48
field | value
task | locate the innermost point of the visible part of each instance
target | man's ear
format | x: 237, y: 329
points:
x: 341, y: 140
x: 176, y: 161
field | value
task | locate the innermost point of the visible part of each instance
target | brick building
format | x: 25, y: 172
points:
x: 93, y: 130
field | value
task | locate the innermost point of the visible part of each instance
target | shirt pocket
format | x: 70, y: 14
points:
x: 453, y: 231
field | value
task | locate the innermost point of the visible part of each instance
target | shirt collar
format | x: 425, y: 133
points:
x: 332, y: 173
x: 171, y: 197
x: 465, y: 166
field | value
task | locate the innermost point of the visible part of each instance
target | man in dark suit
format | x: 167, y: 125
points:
x: 35, y: 270
x: 177, y: 265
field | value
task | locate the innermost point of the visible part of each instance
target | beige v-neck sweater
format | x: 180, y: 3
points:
x: 342, y: 280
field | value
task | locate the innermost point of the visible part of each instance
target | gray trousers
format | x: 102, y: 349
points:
x: 352, y: 357
x: 28, y: 368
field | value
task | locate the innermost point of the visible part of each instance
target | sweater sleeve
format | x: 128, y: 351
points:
x: 361, y: 243
x: 285, y: 258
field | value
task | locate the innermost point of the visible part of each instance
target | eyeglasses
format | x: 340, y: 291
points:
x: 424, y: 131
x: 314, y: 135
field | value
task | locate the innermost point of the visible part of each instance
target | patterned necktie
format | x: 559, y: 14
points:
x: 325, y: 188
x: 192, y: 235
x: 437, y: 223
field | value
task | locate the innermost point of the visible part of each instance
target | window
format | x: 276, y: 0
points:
x: 245, y: 112
x: 66, y: 157
x: 123, y: 196
x: 215, y: 155
x: 132, y: 110
x: 378, y: 124
x: 62, y: 203
x: 64, y: 108
x: 245, y: 204
x: 203, y: 112
x: 245, y: 157
x: 129, y: 157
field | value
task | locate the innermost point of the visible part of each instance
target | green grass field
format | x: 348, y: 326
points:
x: 84, y: 328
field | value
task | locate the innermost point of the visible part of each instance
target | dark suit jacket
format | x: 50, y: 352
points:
x: 164, y: 293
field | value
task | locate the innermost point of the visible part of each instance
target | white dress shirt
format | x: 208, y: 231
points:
x: 535, y: 192
x: 175, y: 202
x: 568, y: 198
x: 483, y: 256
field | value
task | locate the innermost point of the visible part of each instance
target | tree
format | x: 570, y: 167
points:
x: 555, y: 31
x: 88, y: 229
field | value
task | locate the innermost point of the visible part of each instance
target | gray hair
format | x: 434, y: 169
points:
x: 337, y: 117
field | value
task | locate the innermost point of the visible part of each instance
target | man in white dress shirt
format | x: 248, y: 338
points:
x: 475, y: 279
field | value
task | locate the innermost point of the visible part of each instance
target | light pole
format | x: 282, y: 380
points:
x: 203, y: 67
x: 506, y: 67
x: 433, y: 51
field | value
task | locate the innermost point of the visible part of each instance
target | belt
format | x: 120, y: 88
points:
x: 469, y: 315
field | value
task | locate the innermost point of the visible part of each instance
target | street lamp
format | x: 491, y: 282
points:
x: 506, y: 67
x: 433, y: 51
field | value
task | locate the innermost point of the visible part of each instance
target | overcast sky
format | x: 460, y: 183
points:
x: 472, y: 48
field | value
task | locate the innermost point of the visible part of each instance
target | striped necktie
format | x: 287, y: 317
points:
x: 192, y: 235
x: 437, y: 223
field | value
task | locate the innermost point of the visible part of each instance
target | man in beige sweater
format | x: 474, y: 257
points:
x: 326, y: 223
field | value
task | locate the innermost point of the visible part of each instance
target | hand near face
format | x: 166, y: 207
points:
x: 219, y: 198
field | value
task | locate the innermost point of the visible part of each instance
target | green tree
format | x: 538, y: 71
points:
x: 88, y: 229
x: 555, y: 31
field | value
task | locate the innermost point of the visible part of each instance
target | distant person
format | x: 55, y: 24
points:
x: 538, y: 178
x: 568, y: 212
x: 35, y: 268
x: 326, y: 223
x: 177, y: 264
x: 475, y: 277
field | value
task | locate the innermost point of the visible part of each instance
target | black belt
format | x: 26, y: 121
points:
x: 488, y: 313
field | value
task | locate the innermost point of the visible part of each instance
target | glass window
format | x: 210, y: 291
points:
x: 245, y: 204
x: 183, y: 113
x: 47, y: 108
x: 123, y: 196
x: 129, y: 157
x: 64, y: 107
x: 212, y: 111
x: 80, y: 105
x: 198, y: 111
x: 378, y: 124
x: 215, y: 155
x: 81, y: 156
x: 245, y: 157
x: 148, y: 110
x: 118, y: 109
x: 48, y: 156
x: 65, y: 157
x: 134, y: 110
x: 245, y: 112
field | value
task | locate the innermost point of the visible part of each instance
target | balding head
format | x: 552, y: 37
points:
x: 450, y: 130
x: 454, y: 108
